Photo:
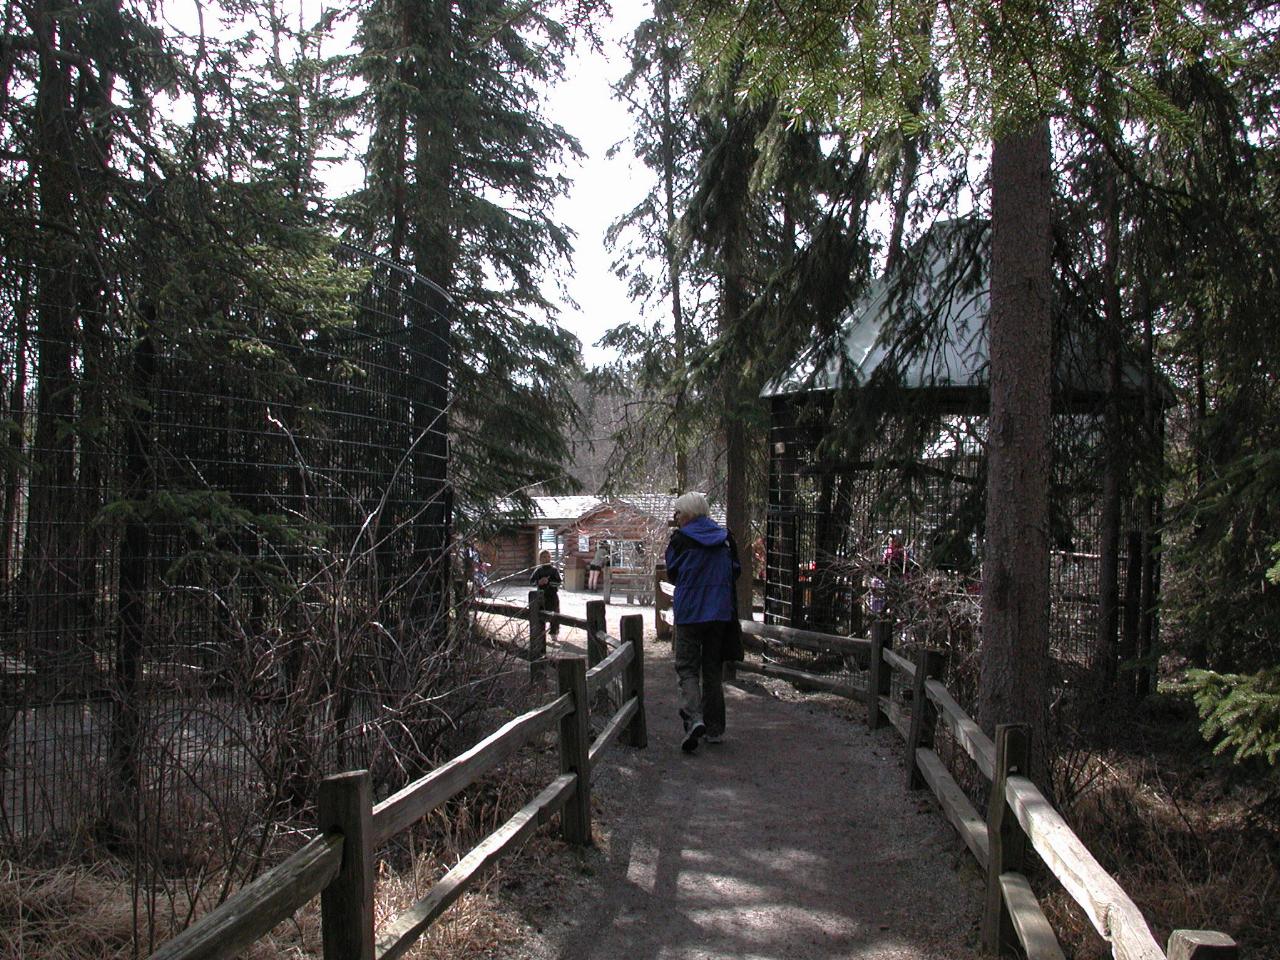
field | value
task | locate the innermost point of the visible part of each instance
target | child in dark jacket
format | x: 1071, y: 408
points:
x: 546, y: 578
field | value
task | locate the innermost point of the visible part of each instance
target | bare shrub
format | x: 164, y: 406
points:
x: 1188, y: 862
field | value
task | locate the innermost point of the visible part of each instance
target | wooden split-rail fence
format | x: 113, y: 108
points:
x: 634, y: 584
x: 338, y: 865
x: 1018, y: 816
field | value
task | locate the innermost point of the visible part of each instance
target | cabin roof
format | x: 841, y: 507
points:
x: 657, y: 506
x: 558, y: 509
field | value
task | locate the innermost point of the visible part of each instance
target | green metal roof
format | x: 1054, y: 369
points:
x: 926, y: 329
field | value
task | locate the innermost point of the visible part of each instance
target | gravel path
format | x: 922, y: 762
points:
x: 795, y: 838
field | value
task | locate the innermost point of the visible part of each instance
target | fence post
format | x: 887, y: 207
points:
x: 880, y: 677
x: 633, y: 633
x: 345, y: 804
x: 930, y: 665
x: 597, y: 650
x: 575, y: 746
x: 537, y: 638
x: 1006, y: 843
x: 606, y: 583
x: 1202, y: 945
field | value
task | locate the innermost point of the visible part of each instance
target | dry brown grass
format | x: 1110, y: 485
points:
x: 84, y: 913
x: 67, y: 913
x: 1181, y: 834
x: 87, y: 912
x: 94, y: 911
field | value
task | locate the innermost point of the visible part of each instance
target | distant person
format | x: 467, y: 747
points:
x: 896, y: 559
x: 480, y: 575
x: 702, y: 561
x: 598, y: 562
x: 546, y: 578
x: 895, y: 569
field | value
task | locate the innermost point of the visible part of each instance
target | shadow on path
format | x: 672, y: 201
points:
x: 795, y: 838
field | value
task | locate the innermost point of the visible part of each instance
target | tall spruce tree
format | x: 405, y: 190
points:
x: 461, y: 181
x: 758, y: 212
x: 657, y: 92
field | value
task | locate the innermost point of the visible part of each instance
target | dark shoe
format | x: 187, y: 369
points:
x: 692, y: 736
x: 714, y: 738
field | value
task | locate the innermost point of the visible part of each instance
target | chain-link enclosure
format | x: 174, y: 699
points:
x: 224, y: 546
x: 831, y: 559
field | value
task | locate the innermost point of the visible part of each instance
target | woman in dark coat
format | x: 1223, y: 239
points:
x: 702, y: 561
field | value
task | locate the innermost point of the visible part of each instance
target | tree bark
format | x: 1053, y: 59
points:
x: 435, y: 255
x: 1015, y: 597
x: 1109, y: 541
x: 734, y: 300
x: 15, y: 439
x: 679, y: 334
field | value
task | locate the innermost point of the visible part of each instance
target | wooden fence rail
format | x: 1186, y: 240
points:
x: 663, y: 592
x: 1019, y: 817
x: 634, y: 583
x: 338, y: 864
x: 535, y: 651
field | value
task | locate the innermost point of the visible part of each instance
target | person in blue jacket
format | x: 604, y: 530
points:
x: 702, y: 561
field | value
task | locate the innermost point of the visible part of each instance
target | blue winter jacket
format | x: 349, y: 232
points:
x: 702, y: 561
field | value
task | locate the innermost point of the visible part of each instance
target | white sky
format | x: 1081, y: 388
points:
x: 603, y: 189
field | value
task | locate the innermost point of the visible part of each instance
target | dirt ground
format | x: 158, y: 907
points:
x: 795, y: 838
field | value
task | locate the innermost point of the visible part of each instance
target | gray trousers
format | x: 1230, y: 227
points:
x: 698, y: 674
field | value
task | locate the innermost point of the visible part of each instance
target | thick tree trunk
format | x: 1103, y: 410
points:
x: 1015, y: 596
x: 435, y: 255
x: 679, y: 334
x: 1148, y: 630
x: 737, y: 515
x: 15, y: 441
x: 734, y: 300
x: 135, y: 547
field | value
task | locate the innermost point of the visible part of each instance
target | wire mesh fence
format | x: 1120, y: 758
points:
x: 897, y: 532
x: 224, y: 553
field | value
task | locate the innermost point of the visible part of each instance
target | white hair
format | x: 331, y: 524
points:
x: 692, y: 505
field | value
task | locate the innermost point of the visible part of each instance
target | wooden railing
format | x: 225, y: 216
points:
x: 635, y: 583
x: 663, y: 618
x: 1021, y: 817
x: 535, y: 651
x: 1018, y: 816
x: 339, y: 864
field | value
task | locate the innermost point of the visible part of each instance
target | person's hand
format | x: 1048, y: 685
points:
x: 542, y: 581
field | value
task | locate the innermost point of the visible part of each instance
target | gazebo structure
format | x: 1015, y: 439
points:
x: 884, y: 433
